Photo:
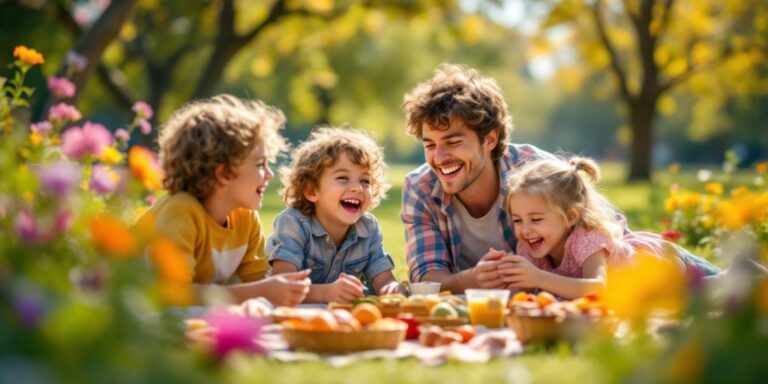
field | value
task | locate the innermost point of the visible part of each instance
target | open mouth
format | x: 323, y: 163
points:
x: 446, y: 171
x: 535, y: 244
x: 260, y: 190
x: 352, y: 205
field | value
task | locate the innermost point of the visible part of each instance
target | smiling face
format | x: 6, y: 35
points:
x: 342, y: 195
x: 458, y: 156
x: 540, y: 226
x: 246, y: 188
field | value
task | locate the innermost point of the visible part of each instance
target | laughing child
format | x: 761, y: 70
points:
x: 334, y: 179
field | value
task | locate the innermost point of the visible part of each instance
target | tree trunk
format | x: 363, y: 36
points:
x: 93, y: 42
x: 641, y: 147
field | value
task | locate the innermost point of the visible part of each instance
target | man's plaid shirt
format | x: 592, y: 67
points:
x: 432, y: 238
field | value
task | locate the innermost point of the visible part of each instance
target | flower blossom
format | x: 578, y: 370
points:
x: 122, y: 135
x: 145, y: 167
x: 58, y: 179
x: 76, y: 61
x: 234, y: 332
x: 63, y: 112
x: 42, y: 127
x: 28, y: 55
x: 145, y: 127
x: 143, y: 110
x: 103, y: 180
x: 91, y: 139
x: 61, y: 87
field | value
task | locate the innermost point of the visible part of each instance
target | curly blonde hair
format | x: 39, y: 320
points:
x: 320, y: 152
x: 222, y: 130
x: 456, y: 91
x: 566, y: 184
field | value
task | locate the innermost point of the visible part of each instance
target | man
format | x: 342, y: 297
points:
x: 452, y: 208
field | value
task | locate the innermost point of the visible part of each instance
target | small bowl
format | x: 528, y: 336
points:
x: 425, y: 288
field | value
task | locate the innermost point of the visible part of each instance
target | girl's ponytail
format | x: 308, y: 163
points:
x: 587, y: 166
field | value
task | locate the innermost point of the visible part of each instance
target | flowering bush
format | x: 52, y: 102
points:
x: 76, y: 294
x: 704, y: 218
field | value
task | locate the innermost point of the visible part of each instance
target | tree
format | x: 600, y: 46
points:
x: 653, y: 47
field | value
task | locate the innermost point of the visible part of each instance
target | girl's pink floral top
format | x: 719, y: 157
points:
x: 583, y: 243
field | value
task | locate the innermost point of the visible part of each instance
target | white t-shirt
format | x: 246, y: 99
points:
x: 477, y: 234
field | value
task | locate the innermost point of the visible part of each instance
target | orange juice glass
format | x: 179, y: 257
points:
x: 486, y: 306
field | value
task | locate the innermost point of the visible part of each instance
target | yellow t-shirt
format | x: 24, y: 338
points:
x: 215, y: 253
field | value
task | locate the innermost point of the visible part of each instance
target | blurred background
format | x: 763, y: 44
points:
x: 644, y: 83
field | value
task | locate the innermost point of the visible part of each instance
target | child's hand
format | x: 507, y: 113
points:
x: 486, y: 272
x: 287, y: 289
x: 517, y: 271
x: 345, y: 289
x: 391, y: 288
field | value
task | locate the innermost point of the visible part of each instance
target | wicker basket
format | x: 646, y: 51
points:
x: 339, y: 341
x: 531, y: 329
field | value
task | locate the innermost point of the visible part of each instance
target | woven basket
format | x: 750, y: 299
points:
x: 531, y: 329
x: 339, y: 341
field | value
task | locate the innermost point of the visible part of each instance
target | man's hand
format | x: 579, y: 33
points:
x: 486, y: 272
x: 517, y: 271
x: 344, y: 290
x: 391, y: 288
x: 287, y: 289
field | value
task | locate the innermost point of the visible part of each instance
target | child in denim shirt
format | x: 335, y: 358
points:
x: 334, y: 179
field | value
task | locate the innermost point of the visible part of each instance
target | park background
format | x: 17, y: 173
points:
x: 663, y: 93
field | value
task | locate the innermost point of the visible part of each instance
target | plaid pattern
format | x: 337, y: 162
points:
x: 432, y: 238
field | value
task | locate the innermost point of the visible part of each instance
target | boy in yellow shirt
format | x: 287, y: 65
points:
x: 215, y: 155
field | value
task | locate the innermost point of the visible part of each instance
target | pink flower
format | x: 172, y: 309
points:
x: 62, y: 221
x: 103, y: 180
x: 58, y: 179
x: 42, y: 127
x: 89, y: 140
x: 235, y: 332
x: 143, y: 110
x: 122, y: 135
x: 76, y: 61
x: 63, y: 112
x: 25, y: 227
x: 146, y: 128
x: 61, y: 87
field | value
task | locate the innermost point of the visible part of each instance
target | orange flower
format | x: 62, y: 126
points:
x: 145, y: 167
x: 714, y: 188
x: 28, y: 55
x: 761, y: 167
x: 173, y: 270
x: 112, y: 237
x: 169, y: 261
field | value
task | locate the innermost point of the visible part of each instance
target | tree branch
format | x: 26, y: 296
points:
x: 616, y: 65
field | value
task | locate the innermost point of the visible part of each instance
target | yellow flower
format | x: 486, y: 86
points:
x: 28, y: 55
x: 714, y: 188
x: 144, y: 166
x: 35, y: 138
x: 691, y: 199
x: 647, y: 284
x: 111, y: 155
x: 671, y: 203
x: 707, y: 221
x: 761, y: 167
x: 687, y: 362
x: 762, y: 295
x: 112, y: 237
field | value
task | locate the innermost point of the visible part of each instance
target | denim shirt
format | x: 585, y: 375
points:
x: 302, y: 241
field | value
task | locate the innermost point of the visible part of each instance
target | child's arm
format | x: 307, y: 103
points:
x: 287, y: 289
x: 518, y: 272
x: 344, y: 290
x: 385, y: 284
